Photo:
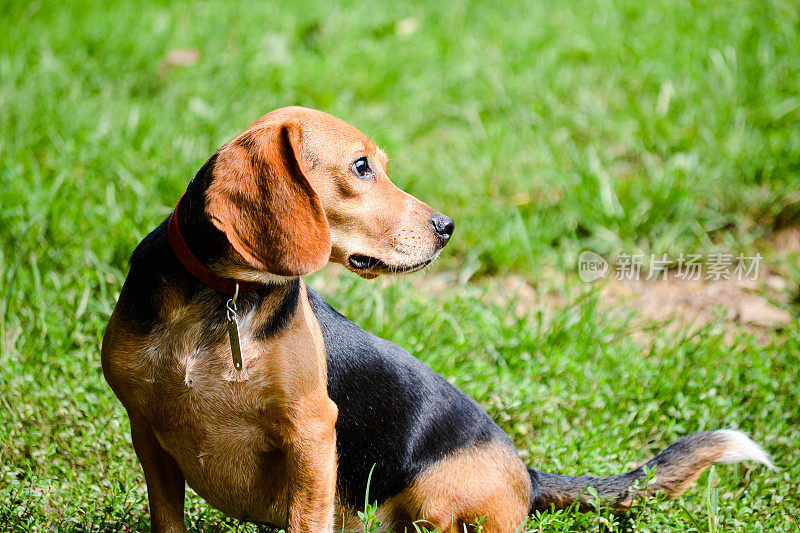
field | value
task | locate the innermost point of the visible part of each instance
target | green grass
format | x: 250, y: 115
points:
x: 541, y: 127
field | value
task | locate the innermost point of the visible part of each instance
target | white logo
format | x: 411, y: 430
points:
x: 591, y: 266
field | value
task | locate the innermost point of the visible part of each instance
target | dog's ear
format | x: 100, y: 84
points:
x: 261, y: 199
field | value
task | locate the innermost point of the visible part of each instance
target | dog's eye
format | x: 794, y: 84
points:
x: 361, y: 168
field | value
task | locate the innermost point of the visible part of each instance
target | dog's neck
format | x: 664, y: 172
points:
x: 185, y: 227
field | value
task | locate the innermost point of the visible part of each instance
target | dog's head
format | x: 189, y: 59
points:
x: 301, y: 187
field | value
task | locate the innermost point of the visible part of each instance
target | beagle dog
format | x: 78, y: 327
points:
x: 244, y: 383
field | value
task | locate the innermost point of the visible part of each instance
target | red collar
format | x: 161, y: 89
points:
x: 198, y: 269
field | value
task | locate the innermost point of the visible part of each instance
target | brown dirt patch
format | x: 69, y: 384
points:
x: 756, y: 306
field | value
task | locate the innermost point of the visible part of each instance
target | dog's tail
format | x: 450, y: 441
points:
x: 675, y: 468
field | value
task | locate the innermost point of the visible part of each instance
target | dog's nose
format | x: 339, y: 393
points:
x: 443, y: 225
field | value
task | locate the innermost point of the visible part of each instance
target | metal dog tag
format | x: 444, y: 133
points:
x: 233, y: 330
x: 236, y: 349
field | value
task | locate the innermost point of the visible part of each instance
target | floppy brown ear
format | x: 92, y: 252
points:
x: 262, y: 201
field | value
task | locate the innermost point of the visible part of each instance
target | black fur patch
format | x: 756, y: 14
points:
x: 283, y: 314
x: 394, y: 412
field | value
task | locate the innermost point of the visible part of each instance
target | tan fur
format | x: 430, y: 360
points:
x: 488, y: 481
x: 680, y: 477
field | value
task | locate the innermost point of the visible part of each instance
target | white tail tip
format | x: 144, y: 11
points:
x: 739, y: 447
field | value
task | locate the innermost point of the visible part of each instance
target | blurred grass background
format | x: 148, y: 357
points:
x: 541, y: 127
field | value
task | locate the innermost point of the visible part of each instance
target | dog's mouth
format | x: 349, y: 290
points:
x: 364, y: 262
x: 370, y: 267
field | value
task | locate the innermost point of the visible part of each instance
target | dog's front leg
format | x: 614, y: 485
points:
x: 311, y: 457
x: 165, y: 482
